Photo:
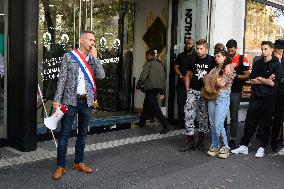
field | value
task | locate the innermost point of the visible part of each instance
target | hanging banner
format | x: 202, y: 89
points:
x: 188, y: 19
x: 186, y: 23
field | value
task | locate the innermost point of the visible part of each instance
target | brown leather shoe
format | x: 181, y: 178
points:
x: 58, y: 173
x: 82, y: 167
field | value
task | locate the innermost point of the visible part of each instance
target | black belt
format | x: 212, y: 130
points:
x: 84, y: 96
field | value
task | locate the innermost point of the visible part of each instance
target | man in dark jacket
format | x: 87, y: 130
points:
x: 152, y: 81
x: 181, y: 65
x: 266, y: 73
x: 279, y: 102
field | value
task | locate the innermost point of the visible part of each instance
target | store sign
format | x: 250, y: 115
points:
x: 188, y: 19
x: 51, y: 68
x: 188, y: 24
x: 110, y: 60
x: 52, y: 57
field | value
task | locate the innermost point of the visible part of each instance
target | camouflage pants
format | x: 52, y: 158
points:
x: 193, y: 102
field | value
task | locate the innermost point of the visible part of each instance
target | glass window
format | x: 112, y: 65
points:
x: 263, y: 22
x: 60, y: 25
x: 3, y: 20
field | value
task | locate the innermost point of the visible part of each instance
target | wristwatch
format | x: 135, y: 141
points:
x: 180, y: 76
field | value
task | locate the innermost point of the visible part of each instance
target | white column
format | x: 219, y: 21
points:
x: 227, y: 22
x: 187, y: 23
x: 202, y: 19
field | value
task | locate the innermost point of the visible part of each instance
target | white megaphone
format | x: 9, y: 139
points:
x: 51, y: 122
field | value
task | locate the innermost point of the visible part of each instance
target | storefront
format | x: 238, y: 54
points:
x: 35, y: 34
x: 33, y: 37
x: 60, y: 24
x: 3, y: 58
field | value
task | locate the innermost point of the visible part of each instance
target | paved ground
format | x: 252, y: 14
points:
x: 141, y: 158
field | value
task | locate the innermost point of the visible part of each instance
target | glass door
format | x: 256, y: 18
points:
x: 3, y: 61
x: 60, y: 25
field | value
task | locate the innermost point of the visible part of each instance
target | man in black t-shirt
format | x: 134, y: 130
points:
x: 181, y: 64
x: 203, y: 63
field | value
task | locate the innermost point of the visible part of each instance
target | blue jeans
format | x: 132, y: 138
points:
x: 218, y: 110
x: 84, y: 113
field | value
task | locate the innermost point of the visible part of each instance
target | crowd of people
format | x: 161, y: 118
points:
x: 209, y: 87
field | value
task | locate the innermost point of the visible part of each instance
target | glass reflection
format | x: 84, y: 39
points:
x: 60, y: 25
x: 256, y: 32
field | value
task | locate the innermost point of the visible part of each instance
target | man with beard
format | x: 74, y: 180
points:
x: 203, y: 63
x: 181, y: 64
x: 242, y: 74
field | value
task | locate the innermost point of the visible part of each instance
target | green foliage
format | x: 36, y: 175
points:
x: 65, y: 15
x: 261, y: 24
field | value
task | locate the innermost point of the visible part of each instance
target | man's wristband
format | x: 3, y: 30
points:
x: 180, y: 76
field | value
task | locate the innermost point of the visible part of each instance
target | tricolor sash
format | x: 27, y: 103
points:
x: 85, y: 67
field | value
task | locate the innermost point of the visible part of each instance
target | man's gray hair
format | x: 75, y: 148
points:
x: 86, y: 32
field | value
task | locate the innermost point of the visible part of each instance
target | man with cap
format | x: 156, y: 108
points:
x: 279, y: 102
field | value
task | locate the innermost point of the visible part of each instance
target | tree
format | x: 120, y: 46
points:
x: 261, y: 24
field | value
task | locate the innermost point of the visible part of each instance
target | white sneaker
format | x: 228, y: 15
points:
x: 259, y: 153
x: 281, y: 152
x: 240, y: 150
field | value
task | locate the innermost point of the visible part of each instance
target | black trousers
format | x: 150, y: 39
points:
x: 151, y: 105
x: 259, y: 110
x: 278, y: 120
x: 181, y: 99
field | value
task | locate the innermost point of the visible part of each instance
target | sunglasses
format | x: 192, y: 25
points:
x: 220, y: 49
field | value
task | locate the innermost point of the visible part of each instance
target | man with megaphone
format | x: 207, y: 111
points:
x: 76, y: 89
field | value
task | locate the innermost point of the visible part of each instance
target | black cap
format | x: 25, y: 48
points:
x: 279, y: 44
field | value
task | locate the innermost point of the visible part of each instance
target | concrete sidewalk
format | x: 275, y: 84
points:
x: 47, y: 149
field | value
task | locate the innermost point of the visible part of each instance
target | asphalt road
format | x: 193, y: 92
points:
x: 153, y: 164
